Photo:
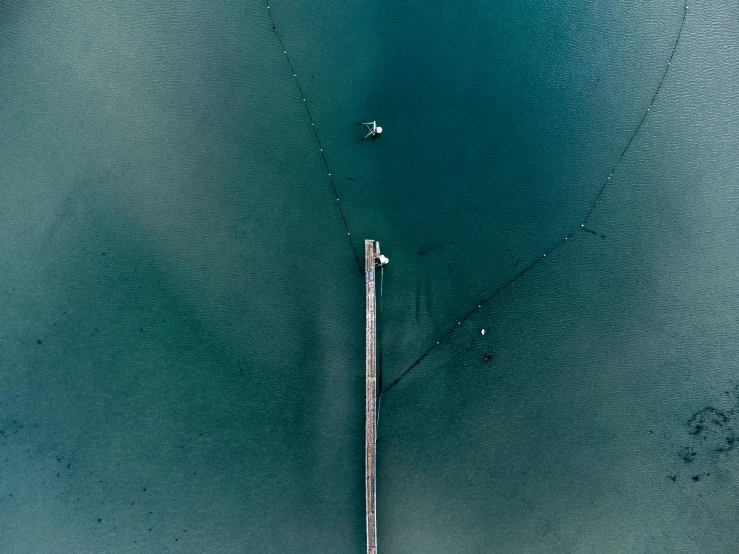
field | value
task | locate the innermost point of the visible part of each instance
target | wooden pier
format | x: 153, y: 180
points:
x: 371, y: 399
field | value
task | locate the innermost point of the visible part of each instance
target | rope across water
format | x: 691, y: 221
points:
x: 318, y: 140
x: 513, y: 279
x: 562, y: 241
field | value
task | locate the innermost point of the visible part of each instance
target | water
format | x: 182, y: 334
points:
x: 183, y: 318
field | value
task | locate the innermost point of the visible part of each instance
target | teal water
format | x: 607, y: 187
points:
x: 182, y: 340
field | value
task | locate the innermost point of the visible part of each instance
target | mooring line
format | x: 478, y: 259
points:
x: 561, y: 242
x: 478, y: 307
x: 641, y: 122
x: 318, y: 140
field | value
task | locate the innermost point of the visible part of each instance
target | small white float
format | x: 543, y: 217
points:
x: 373, y: 130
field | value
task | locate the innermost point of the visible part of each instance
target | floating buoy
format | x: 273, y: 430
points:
x: 482, y: 332
x: 373, y: 130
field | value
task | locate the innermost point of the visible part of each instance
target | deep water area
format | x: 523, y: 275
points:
x: 185, y: 200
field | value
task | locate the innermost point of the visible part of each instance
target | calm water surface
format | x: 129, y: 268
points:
x: 182, y: 341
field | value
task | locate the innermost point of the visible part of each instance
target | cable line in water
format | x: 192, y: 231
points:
x: 318, y: 140
x: 562, y: 241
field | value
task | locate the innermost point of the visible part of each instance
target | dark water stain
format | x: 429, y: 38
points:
x: 9, y: 428
x: 418, y: 299
x: 593, y: 232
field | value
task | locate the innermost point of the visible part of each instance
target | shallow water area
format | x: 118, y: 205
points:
x: 183, y: 331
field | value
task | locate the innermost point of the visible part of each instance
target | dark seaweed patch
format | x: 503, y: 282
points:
x: 687, y: 454
x: 707, y: 416
x: 711, y: 432
x: 718, y: 428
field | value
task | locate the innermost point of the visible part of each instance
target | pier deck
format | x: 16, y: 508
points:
x: 371, y: 397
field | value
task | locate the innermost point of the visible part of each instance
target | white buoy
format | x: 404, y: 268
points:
x: 482, y: 332
x: 373, y: 129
